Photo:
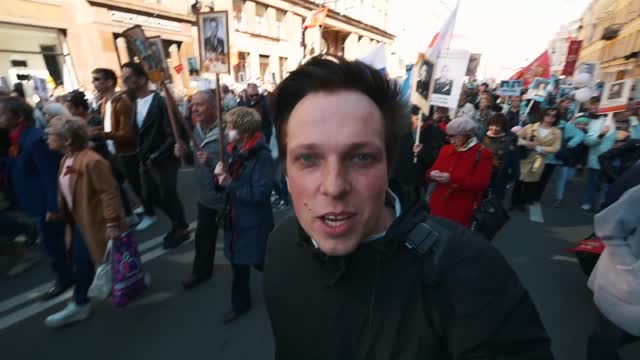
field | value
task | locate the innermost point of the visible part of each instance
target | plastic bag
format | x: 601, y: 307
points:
x: 102, y: 281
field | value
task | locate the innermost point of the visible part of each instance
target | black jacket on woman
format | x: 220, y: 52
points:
x: 389, y: 302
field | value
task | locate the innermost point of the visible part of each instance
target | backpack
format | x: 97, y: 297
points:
x: 490, y: 322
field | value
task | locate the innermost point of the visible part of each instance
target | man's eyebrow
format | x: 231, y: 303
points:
x: 350, y: 147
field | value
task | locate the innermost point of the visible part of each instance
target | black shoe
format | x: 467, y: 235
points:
x: 557, y: 204
x: 194, y: 280
x: 232, y: 316
x: 176, y: 239
x: 54, y: 292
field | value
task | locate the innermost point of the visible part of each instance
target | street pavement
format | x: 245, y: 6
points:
x: 169, y: 323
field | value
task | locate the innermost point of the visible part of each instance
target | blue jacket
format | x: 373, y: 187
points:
x: 249, y: 199
x: 599, y: 145
x: 571, y: 135
x: 33, y: 174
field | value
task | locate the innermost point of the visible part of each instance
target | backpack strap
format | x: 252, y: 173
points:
x: 429, y: 240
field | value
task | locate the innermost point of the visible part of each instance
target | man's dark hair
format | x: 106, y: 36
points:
x: 498, y: 119
x: 137, y: 69
x: 106, y: 74
x: 328, y: 74
x: 17, y: 107
x: 77, y: 99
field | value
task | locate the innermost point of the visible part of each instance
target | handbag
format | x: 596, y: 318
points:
x: 489, y: 215
x: 129, y: 279
x: 102, y: 282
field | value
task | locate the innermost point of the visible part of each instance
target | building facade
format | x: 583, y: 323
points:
x: 610, y: 31
x: 61, y: 41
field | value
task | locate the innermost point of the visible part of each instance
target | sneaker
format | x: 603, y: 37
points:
x: 146, y: 222
x: 139, y: 211
x: 176, y: 240
x: 586, y: 207
x: 132, y: 220
x: 557, y: 203
x: 72, y: 313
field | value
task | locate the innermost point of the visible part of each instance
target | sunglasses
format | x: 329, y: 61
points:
x: 551, y: 115
x: 97, y: 79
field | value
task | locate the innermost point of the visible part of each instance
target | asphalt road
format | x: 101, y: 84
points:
x: 168, y: 323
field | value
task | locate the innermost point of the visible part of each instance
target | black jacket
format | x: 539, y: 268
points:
x: 405, y: 171
x: 616, y: 161
x: 155, y: 137
x: 386, y: 301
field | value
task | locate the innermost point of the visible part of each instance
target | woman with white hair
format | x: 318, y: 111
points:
x: 54, y: 109
x: 462, y: 173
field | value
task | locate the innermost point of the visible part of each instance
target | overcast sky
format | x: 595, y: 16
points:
x: 508, y: 33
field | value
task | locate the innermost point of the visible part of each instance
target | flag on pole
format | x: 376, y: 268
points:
x: 442, y: 38
x: 539, y: 68
x: 376, y: 58
x: 316, y: 18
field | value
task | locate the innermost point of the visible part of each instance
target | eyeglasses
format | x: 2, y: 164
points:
x: 95, y: 79
x: 551, y: 115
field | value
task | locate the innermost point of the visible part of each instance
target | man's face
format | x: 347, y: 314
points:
x: 201, y: 109
x: 515, y: 102
x: 593, y: 106
x: 130, y: 81
x: 213, y: 28
x: 482, y: 88
x: 100, y: 83
x: 337, y: 169
x: 7, y: 121
x: 564, y: 104
x: 72, y: 109
x: 253, y: 94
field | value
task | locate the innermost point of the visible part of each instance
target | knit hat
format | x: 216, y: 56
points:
x: 581, y: 120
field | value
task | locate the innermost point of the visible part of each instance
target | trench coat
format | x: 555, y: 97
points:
x: 532, y: 166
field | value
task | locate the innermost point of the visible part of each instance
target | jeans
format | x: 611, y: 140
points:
x: 542, y: 183
x: 594, y: 193
x: 205, y: 239
x: 606, y: 339
x: 83, y: 268
x: 53, y: 239
x: 131, y: 166
x: 565, y: 173
x: 240, y: 294
x: 160, y: 182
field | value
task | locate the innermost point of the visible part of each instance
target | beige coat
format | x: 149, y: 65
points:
x: 95, y: 201
x: 531, y: 168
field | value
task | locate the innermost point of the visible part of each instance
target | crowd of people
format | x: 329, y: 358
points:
x: 362, y: 182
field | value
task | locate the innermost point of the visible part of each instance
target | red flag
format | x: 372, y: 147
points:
x: 572, y: 57
x: 538, y: 68
x: 316, y: 18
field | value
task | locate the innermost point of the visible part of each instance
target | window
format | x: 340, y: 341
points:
x: 283, y: 68
x: 239, y: 17
x: 280, y: 25
x: 264, y: 67
x: 242, y: 67
x: 262, y: 23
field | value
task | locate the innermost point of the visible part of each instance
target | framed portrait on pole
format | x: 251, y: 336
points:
x: 422, y: 83
x: 213, y: 30
x: 146, y: 53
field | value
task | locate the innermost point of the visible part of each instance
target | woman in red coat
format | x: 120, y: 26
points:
x: 462, y: 173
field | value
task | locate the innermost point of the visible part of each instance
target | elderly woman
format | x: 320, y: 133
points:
x: 536, y: 142
x: 53, y: 109
x: 90, y: 202
x: 248, y: 218
x: 501, y: 142
x: 462, y: 172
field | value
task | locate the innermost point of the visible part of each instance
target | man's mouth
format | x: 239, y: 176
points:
x: 335, y: 220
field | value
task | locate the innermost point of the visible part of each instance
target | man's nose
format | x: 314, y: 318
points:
x: 335, y: 181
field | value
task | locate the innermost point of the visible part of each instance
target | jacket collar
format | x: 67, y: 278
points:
x: 147, y: 120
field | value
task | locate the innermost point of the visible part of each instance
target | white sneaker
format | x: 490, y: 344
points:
x: 132, y: 220
x: 586, y: 207
x: 146, y: 222
x: 72, y: 313
x: 138, y: 211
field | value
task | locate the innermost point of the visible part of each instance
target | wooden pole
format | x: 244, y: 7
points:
x: 173, y: 109
x: 219, y: 115
x: 415, y: 156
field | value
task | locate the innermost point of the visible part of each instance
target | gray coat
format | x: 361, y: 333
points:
x: 615, y: 281
x: 209, y: 195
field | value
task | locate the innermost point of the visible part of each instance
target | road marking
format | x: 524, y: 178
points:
x: 535, y: 213
x: 565, y: 258
x: 37, y: 307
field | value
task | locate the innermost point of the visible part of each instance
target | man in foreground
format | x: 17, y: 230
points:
x: 375, y: 276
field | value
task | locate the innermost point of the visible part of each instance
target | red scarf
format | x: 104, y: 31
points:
x: 235, y: 164
x: 14, y: 138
